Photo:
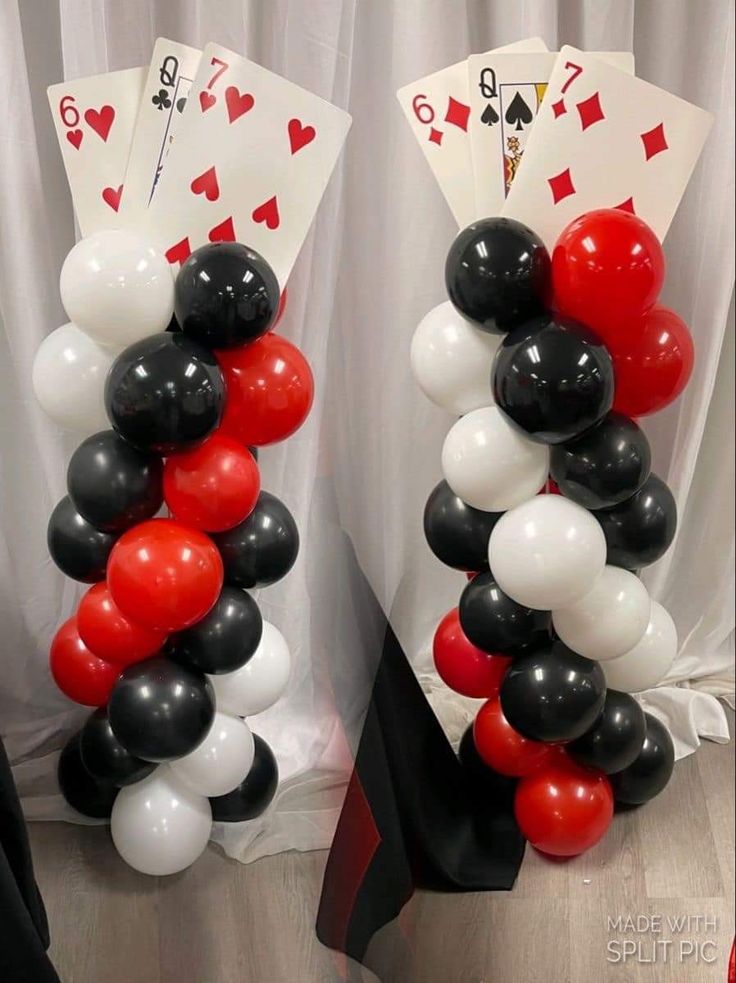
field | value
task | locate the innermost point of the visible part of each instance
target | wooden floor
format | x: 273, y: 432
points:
x: 221, y: 922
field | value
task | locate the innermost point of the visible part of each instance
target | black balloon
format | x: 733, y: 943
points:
x: 255, y: 792
x: 165, y: 393
x: 553, y: 694
x: 553, y: 378
x: 104, y: 756
x: 604, y: 467
x: 496, y: 623
x: 457, y: 533
x: 81, y: 790
x: 159, y: 710
x: 226, y: 295
x: 640, y: 530
x: 112, y: 484
x: 263, y: 548
x: 652, y: 769
x: 224, y: 639
x: 76, y: 547
x: 615, y: 739
x: 497, y: 273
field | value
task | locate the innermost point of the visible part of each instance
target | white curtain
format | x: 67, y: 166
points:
x: 365, y: 462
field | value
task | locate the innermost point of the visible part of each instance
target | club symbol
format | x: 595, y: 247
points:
x: 161, y: 100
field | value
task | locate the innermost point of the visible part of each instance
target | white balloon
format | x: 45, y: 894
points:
x: 159, y: 826
x: 609, y: 619
x: 489, y: 464
x: 451, y: 359
x: 649, y: 661
x: 260, y: 682
x: 223, y: 759
x: 117, y: 288
x: 546, y: 553
x: 69, y: 373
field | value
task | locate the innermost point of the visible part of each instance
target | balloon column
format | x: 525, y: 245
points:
x: 550, y: 506
x: 167, y: 646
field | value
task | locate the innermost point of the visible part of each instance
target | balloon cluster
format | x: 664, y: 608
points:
x: 167, y: 645
x: 548, y: 503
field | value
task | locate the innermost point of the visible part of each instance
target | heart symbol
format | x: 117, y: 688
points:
x: 268, y: 212
x: 237, y: 103
x: 206, y: 100
x: 224, y: 232
x: 112, y: 196
x: 100, y: 120
x: 207, y: 185
x: 74, y: 137
x: 300, y: 136
x: 179, y: 252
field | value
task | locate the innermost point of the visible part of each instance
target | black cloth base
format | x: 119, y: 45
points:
x: 24, y: 931
x: 414, y: 815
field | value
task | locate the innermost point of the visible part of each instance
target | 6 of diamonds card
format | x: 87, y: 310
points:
x: 438, y: 110
x: 250, y: 163
x: 604, y: 139
x: 94, y: 119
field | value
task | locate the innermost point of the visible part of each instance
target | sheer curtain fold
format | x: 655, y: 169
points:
x: 366, y: 460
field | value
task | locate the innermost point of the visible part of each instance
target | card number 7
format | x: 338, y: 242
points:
x: 207, y: 98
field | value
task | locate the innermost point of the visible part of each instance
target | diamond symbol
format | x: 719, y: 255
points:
x: 561, y: 185
x: 559, y: 108
x: 654, y: 141
x: 435, y: 136
x: 457, y: 113
x: 590, y: 111
x: 626, y: 206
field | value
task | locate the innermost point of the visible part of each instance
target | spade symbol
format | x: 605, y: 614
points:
x: 181, y: 103
x: 489, y: 116
x: 518, y: 114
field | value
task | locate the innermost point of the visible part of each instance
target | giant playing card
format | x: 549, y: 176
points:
x: 604, y: 139
x: 250, y: 162
x: 438, y: 110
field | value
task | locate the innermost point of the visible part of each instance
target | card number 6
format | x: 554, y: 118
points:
x: 422, y: 109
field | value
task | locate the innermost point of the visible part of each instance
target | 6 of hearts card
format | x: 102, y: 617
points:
x: 94, y: 119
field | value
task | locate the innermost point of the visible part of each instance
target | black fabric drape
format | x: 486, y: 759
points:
x: 24, y: 932
x: 414, y: 815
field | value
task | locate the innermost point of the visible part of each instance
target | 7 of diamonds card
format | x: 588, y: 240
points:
x: 604, y: 139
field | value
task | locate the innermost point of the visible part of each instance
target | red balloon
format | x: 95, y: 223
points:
x: 463, y: 667
x: 505, y: 749
x: 107, y: 632
x: 564, y: 809
x: 269, y: 390
x: 652, y: 361
x: 164, y: 574
x: 78, y: 673
x: 213, y: 487
x: 550, y: 488
x: 607, y: 267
